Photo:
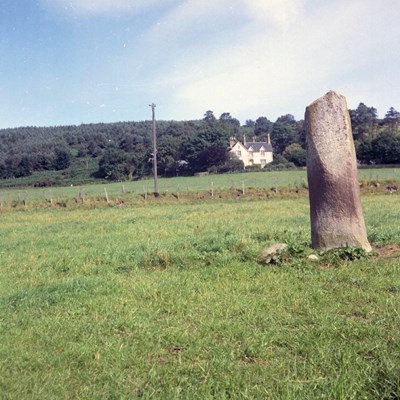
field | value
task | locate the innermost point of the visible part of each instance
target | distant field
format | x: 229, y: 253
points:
x: 168, y: 301
x: 183, y: 185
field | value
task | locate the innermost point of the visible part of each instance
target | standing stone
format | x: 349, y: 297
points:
x: 335, y: 207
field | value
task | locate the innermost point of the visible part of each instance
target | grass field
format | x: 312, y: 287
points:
x: 168, y: 301
x: 128, y: 191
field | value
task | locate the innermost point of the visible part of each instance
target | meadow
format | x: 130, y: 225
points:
x: 169, y: 300
x: 179, y: 186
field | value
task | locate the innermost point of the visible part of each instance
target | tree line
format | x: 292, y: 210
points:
x: 123, y: 150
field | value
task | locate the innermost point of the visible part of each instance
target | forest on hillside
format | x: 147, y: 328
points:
x: 123, y: 150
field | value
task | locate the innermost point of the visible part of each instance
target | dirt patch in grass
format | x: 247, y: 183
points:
x: 390, y: 251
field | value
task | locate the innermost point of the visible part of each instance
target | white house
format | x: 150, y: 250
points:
x: 252, y: 153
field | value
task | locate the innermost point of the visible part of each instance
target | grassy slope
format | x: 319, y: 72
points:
x: 184, y: 185
x: 167, y: 301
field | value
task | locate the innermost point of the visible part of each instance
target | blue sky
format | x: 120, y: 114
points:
x: 82, y: 61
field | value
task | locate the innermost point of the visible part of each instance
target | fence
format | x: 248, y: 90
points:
x: 206, y: 186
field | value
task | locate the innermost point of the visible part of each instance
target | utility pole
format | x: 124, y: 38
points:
x: 153, y: 106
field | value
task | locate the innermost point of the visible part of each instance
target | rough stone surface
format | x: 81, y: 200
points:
x: 335, y: 207
x: 275, y: 248
x: 313, y: 257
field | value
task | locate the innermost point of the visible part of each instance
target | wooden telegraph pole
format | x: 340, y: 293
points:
x: 153, y: 106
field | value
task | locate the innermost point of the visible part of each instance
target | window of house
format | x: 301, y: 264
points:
x: 239, y: 153
x: 263, y: 162
x: 262, y: 153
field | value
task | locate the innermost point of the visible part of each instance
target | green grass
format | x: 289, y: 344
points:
x: 168, y: 301
x: 183, y: 185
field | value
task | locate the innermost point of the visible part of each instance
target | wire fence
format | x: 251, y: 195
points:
x: 211, y: 186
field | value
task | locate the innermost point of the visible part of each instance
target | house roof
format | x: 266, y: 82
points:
x: 256, y: 146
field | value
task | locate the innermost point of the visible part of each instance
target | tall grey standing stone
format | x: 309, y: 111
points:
x: 335, y: 207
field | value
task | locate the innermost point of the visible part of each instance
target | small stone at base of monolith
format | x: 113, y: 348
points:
x: 275, y: 248
x: 335, y: 207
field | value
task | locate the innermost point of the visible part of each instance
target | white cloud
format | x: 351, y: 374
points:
x: 277, y: 11
x: 287, y: 54
x: 254, y: 57
x: 189, y: 16
x: 211, y: 15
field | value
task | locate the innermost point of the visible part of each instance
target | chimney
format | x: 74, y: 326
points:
x: 254, y: 139
x: 269, y: 138
x: 232, y: 141
x: 244, y: 139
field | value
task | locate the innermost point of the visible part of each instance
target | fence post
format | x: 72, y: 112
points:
x: 106, y: 194
x: 243, y: 188
x: 212, y: 189
x: 82, y: 195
